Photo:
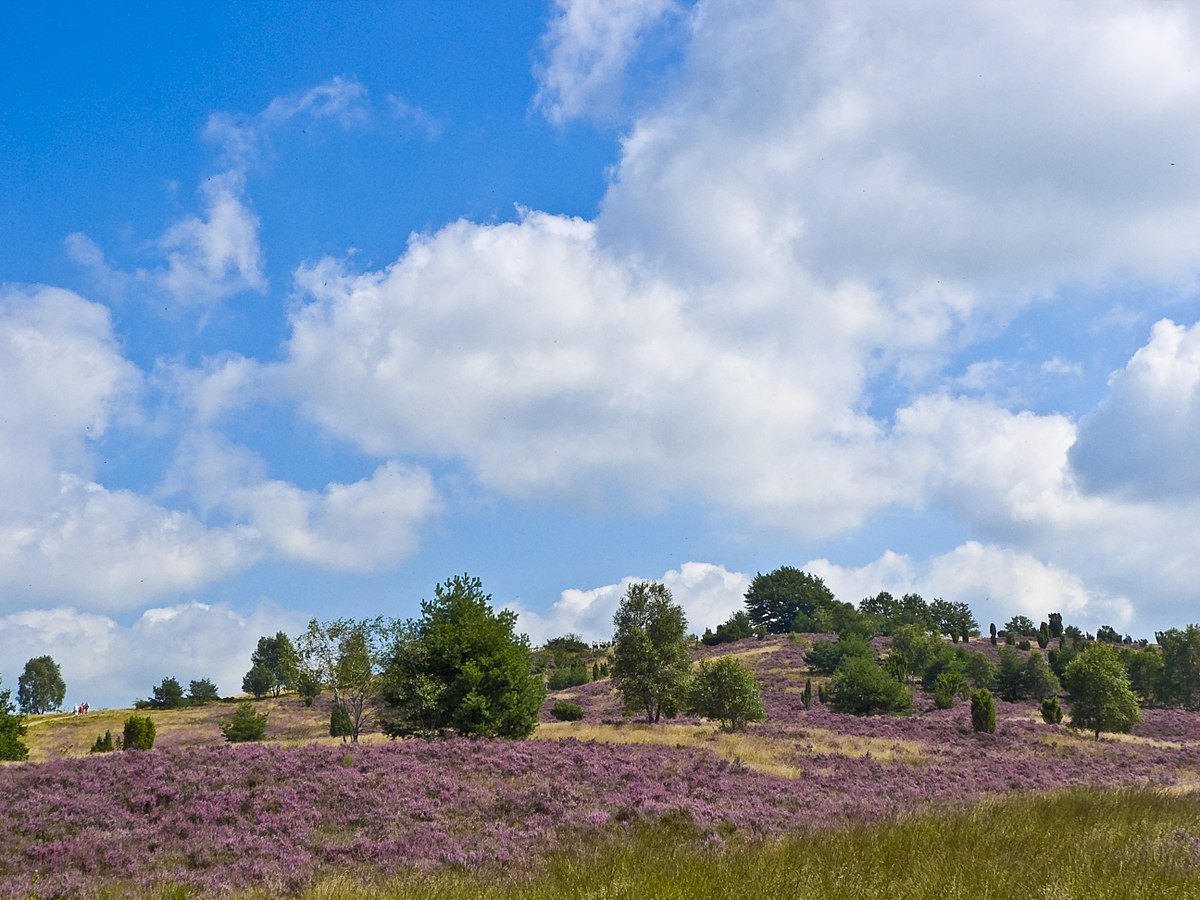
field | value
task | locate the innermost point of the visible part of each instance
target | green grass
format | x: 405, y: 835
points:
x: 1078, y: 844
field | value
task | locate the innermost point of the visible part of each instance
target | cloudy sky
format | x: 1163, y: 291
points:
x: 305, y: 308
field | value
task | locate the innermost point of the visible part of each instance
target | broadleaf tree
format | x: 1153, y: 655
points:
x: 725, y: 690
x: 12, y: 729
x: 348, y: 656
x: 278, y: 656
x: 788, y: 599
x: 461, y: 667
x: 1098, y: 691
x: 650, y: 657
x: 40, y: 688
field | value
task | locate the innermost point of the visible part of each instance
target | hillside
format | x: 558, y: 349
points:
x: 301, y: 809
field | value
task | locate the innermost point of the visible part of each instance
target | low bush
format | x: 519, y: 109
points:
x: 567, y: 712
x: 1052, y: 713
x: 983, y: 712
x: 246, y: 725
x: 103, y: 744
x: 139, y: 733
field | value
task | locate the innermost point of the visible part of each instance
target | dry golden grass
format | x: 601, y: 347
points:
x: 289, y: 722
x: 764, y: 754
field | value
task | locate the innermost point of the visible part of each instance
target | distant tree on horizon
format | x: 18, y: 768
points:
x: 40, y: 688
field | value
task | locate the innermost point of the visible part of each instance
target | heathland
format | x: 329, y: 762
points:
x: 809, y: 803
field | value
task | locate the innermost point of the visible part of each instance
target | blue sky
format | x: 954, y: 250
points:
x: 305, y: 308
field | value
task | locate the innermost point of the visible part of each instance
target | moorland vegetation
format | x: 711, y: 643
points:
x: 445, y: 756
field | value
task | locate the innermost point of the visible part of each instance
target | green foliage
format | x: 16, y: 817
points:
x: 348, y: 657
x: 340, y: 723
x: 954, y: 619
x: 1145, y: 668
x: 949, y: 684
x: 566, y: 712
x: 807, y: 697
x: 735, y: 628
x: 983, y: 712
x: 824, y: 657
x: 650, y: 659
x: 139, y: 733
x: 1019, y: 679
x: 461, y: 667
x: 168, y: 695
x: 916, y: 646
x: 1043, y: 637
x: 569, y: 676
x: 1108, y: 635
x: 980, y: 671
x: 12, y: 730
x: 725, y: 690
x: 787, y: 599
x: 1052, y: 712
x: 40, y: 688
x: 308, y: 687
x: 862, y: 687
x: 567, y: 645
x: 1024, y: 644
x: 278, y: 656
x: 1060, y: 658
x: 1055, y: 624
x: 104, y: 744
x: 1180, y: 684
x: 258, y: 681
x: 246, y: 724
x: 886, y: 613
x: 992, y: 633
x: 822, y: 693
x: 1098, y: 691
x: 1020, y: 626
x: 202, y: 692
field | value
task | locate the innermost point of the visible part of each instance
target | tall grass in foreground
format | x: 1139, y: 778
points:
x: 1081, y: 843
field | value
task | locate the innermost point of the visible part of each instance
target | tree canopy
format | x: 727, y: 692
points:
x: 40, y: 688
x: 650, y: 659
x: 725, y: 690
x: 1098, y: 691
x: 461, y: 667
x: 276, y: 655
x: 788, y: 599
x: 348, y: 656
x: 12, y: 729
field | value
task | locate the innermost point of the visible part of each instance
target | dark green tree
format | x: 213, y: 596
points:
x: 1052, y: 712
x: 259, y: 681
x: 12, y: 730
x: 787, y: 600
x: 1043, y: 638
x: 725, y: 690
x: 1020, y: 626
x: 1181, y: 666
x: 992, y: 633
x: 103, y: 744
x: 980, y: 671
x: 862, y: 687
x: 167, y: 695
x: 246, y: 724
x: 462, y: 667
x: 807, y: 696
x: 40, y: 688
x: 1056, y: 625
x: 983, y: 712
x: 308, y: 687
x: 825, y: 656
x: 1145, y: 669
x: 340, y: 724
x: 1098, y: 691
x: 139, y: 733
x: 202, y: 691
x: 650, y: 659
x: 735, y: 628
x: 953, y: 618
x: 278, y: 656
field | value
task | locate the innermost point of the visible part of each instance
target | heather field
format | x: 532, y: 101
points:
x: 583, y: 801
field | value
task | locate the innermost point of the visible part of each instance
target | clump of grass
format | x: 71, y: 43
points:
x: 1081, y: 844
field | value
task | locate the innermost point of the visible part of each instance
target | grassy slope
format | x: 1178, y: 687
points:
x: 1079, y: 844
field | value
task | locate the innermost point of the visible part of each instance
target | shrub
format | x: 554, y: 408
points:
x: 825, y: 656
x: 340, y: 724
x: 983, y: 712
x: 948, y: 684
x: 202, y: 692
x: 861, y: 687
x: 981, y: 671
x: 568, y: 676
x: 308, y: 686
x: 12, y: 730
x: 1098, y: 691
x: 246, y: 724
x: 1052, y: 712
x: 139, y: 733
x: 103, y: 744
x: 807, y: 697
x: 567, y: 712
x: 725, y: 690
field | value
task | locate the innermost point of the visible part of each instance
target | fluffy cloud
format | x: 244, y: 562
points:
x: 588, y: 46
x: 708, y: 593
x: 996, y: 582
x: 1143, y: 438
x: 109, y: 664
